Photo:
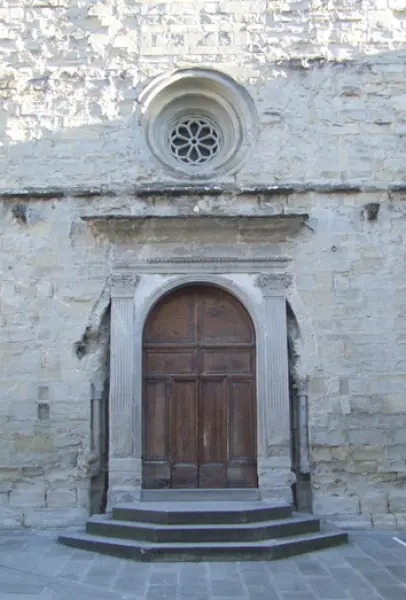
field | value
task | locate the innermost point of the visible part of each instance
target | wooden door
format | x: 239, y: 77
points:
x: 199, y: 399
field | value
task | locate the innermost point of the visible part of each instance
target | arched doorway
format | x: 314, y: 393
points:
x: 199, y: 392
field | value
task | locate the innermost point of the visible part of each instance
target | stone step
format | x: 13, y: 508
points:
x: 212, y: 551
x: 201, y: 495
x: 202, y: 513
x: 240, y: 532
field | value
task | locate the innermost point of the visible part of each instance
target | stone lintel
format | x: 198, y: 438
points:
x: 204, y: 229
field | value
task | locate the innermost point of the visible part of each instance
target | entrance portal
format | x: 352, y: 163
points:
x: 199, y: 393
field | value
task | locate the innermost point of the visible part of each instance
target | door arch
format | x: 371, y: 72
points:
x: 199, y: 392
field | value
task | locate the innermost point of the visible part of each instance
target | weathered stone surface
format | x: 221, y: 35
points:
x: 331, y: 111
x: 10, y: 519
x: 336, y: 505
x: 374, y: 503
x: 26, y: 498
x: 350, y: 521
x: 54, y: 517
x: 397, y: 501
x: 401, y: 521
x: 61, y: 498
x: 384, y: 521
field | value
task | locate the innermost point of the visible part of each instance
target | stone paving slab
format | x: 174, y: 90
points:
x: 33, y: 566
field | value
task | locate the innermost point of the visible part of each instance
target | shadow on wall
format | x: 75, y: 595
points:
x: 301, y: 489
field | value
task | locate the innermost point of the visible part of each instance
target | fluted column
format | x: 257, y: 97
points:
x: 122, y: 375
x: 275, y: 466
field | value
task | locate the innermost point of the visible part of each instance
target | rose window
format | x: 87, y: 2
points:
x: 194, y: 141
x: 199, y: 123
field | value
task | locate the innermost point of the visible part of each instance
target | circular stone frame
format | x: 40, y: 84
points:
x: 199, y: 94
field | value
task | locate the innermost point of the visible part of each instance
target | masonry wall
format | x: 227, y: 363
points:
x: 328, y: 80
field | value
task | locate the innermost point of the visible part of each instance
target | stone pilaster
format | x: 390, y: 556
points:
x: 275, y: 468
x: 122, y: 379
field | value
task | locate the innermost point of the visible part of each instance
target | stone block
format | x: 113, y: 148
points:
x: 325, y: 437
x: 10, y: 519
x: 321, y: 454
x: 350, y: 521
x: 336, y: 505
x: 374, y: 503
x: 34, y: 443
x: 401, y: 521
x: 123, y: 496
x: 399, y: 437
x: 397, y: 501
x: 83, y: 497
x: 44, y: 518
x: 340, y: 452
x: 6, y: 486
x: 3, y: 499
x: 367, y: 404
x: 384, y: 522
x: 27, y: 498
x: 394, y: 404
x: 362, y: 467
x: 368, y: 437
x: 367, y: 453
x: 61, y: 498
x: 7, y: 476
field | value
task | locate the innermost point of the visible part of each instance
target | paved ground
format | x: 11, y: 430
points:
x: 32, y: 565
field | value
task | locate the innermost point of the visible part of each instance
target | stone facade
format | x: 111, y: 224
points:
x: 328, y: 83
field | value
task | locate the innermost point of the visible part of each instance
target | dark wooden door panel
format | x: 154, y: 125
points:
x: 183, y: 422
x: 242, y: 430
x: 222, y: 319
x: 173, y: 319
x: 212, y: 475
x: 242, y: 474
x: 183, y: 439
x: 226, y: 361
x: 213, y: 421
x: 181, y: 362
x: 199, y: 392
x: 156, y: 474
x: 156, y: 416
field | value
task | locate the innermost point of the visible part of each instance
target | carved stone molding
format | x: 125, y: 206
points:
x: 191, y: 265
x: 122, y: 285
x: 275, y: 284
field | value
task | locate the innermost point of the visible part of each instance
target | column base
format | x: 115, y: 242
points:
x: 275, y: 479
x: 125, y: 478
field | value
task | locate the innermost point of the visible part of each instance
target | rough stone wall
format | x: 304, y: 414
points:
x: 53, y: 287
x: 70, y: 75
x: 350, y: 276
x: 328, y: 79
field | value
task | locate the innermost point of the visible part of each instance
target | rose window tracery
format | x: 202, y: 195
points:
x: 194, y: 140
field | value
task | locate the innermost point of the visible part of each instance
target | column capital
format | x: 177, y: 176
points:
x: 122, y: 285
x: 274, y: 284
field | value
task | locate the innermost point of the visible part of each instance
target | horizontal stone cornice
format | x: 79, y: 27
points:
x: 165, y: 189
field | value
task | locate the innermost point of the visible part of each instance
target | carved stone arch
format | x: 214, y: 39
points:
x: 209, y: 279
